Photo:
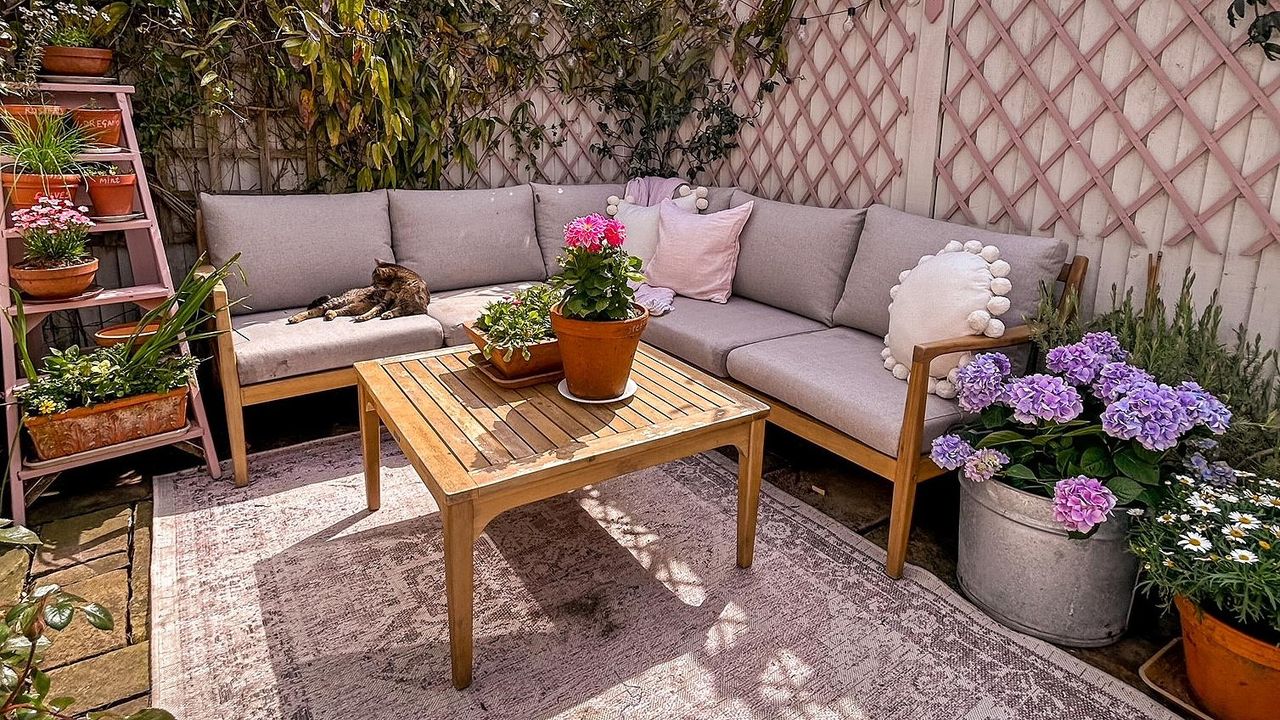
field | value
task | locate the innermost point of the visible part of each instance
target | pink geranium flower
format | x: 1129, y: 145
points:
x: 594, y: 233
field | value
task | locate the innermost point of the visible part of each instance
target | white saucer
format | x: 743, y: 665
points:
x: 116, y: 218
x: 563, y: 387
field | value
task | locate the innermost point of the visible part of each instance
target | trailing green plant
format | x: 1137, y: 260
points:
x: 515, y: 323
x: 47, y: 145
x: 27, y: 634
x: 1181, y: 342
x: 73, y: 378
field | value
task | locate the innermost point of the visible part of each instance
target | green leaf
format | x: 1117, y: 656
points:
x: 1020, y: 472
x: 151, y: 714
x: 1129, y: 464
x: 1095, y: 462
x: 1125, y: 489
x: 18, y: 535
x: 58, y: 615
x: 97, y: 616
x: 1001, y: 437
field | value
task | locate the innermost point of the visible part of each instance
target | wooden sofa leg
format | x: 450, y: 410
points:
x: 904, y: 500
x: 235, y: 434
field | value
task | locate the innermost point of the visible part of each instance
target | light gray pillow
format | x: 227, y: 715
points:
x: 556, y: 205
x: 893, y: 241
x: 295, y: 248
x: 719, y: 198
x: 466, y: 238
x: 795, y: 257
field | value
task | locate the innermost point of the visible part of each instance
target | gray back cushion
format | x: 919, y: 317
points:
x: 556, y: 205
x: 893, y: 241
x: 719, y: 198
x: 295, y: 248
x: 465, y: 238
x: 795, y: 257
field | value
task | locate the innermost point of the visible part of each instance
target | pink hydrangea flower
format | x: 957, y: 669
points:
x: 1081, y: 503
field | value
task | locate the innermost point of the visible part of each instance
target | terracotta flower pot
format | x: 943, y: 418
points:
x: 101, y: 125
x: 597, y: 355
x: 116, y: 334
x: 1233, y: 676
x: 21, y: 190
x: 54, y: 283
x: 61, y: 60
x: 543, y: 357
x: 30, y: 115
x: 109, y: 423
x: 112, y: 194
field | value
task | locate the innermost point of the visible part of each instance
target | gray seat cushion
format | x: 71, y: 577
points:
x: 703, y: 332
x: 893, y: 241
x: 837, y: 376
x: 795, y: 257
x: 295, y: 248
x: 464, y: 238
x: 452, y: 308
x: 268, y: 349
x: 556, y: 205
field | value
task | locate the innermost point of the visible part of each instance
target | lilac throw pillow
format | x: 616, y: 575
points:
x: 697, y: 254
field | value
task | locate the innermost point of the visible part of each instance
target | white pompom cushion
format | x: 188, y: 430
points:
x: 642, y: 221
x: 960, y: 291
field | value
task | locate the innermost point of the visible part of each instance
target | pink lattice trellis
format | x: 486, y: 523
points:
x: 1069, y: 166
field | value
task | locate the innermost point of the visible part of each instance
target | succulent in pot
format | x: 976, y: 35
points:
x: 45, y: 159
x: 596, y: 320
x: 111, y: 189
x: 515, y: 333
x: 56, y: 262
x: 1054, y: 468
x: 69, y: 32
x: 1212, y: 548
x: 102, y: 126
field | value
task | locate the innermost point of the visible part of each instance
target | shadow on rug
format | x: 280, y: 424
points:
x: 287, y: 599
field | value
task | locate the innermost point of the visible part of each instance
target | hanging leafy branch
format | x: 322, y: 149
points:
x: 1263, y: 27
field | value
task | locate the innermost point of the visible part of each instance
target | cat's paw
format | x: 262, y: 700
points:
x: 293, y: 320
x: 387, y: 315
x: 330, y: 315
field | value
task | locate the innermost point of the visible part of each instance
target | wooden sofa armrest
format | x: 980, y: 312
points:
x: 224, y: 355
x: 927, y: 352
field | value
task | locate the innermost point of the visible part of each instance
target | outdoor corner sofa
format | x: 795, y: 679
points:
x: 803, y: 330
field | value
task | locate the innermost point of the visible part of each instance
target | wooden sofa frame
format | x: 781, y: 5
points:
x: 908, y: 469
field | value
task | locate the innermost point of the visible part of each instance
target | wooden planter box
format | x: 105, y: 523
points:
x: 109, y: 423
x: 543, y: 357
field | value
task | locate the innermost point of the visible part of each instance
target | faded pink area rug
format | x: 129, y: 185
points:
x: 288, y: 600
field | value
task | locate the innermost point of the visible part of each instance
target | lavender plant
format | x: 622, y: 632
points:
x: 1093, y: 432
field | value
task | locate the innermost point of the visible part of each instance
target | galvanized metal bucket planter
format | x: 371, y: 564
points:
x: 1022, y: 569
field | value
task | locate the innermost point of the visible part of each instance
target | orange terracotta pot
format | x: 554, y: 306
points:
x: 1233, y: 676
x: 109, y: 423
x: 597, y: 355
x: 125, y: 332
x: 30, y: 115
x: 112, y: 194
x: 54, y: 283
x: 62, y: 60
x: 101, y: 125
x: 21, y: 190
x: 543, y: 357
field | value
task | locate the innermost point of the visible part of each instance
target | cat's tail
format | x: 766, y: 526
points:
x: 319, y: 301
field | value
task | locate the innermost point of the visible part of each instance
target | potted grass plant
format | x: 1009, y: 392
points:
x: 1212, y: 548
x: 55, y: 240
x: 515, y: 333
x: 44, y: 161
x: 596, y: 319
x: 111, y: 189
x: 69, y: 33
x: 1053, y: 467
x: 82, y: 400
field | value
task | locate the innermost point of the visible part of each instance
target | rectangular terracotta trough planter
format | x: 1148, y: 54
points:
x: 543, y: 357
x: 109, y: 423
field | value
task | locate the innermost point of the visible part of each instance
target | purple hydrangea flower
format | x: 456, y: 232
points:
x: 1203, y: 408
x: 1150, y: 413
x: 1043, y: 397
x: 1080, y: 503
x: 950, y: 452
x: 980, y: 384
x: 1077, y: 362
x: 1106, y: 345
x: 1217, y: 473
x: 984, y: 464
x: 1115, y: 378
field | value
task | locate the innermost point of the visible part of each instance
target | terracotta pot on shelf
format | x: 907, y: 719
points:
x: 597, y: 354
x: 85, y: 61
x: 101, y: 125
x: 125, y: 332
x: 543, y: 357
x: 22, y: 189
x: 109, y: 423
x: 30, y: 115
x: 54, y: 283
x: 1233, y: 676
x: 112, y: 194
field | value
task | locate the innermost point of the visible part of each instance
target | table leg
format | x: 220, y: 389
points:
x: 459, y: 542
x: 371, y: 441
x: 750, y: 465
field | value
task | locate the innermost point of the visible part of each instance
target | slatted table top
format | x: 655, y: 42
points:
x: 465, y: 435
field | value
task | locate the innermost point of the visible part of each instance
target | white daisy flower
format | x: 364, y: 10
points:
x: 1185, y: 480
x: 1166, y: 518
x: 1135, y: 512
x: 1230, y: 497
x: 1167, y: 562
x: 1202, y: 506
x: 1269, y: 501
x: 1240, y: 555
x: 1195, y: 542
x: 1244, y: 520
x: 1184, y: 517
x: 1235, y: 533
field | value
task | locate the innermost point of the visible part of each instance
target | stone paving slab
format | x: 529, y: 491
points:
x: 13, y: 575
x: 81, y: 640
x: 140, y: 576
x: 82, y: 538
x: 106, y: 679
x: 78, y: 573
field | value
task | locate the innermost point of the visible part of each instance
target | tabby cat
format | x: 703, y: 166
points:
x: 396, y: 291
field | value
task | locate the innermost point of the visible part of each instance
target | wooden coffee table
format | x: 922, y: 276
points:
x: 481, y: 449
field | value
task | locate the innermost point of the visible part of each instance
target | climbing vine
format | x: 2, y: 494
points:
x: 1264, y: 28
